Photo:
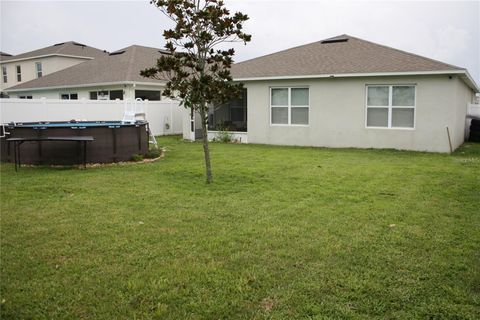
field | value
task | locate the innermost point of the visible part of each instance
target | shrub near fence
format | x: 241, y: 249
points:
x: 165, y: 117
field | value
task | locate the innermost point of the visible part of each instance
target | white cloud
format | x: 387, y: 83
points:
x: 451, y: 42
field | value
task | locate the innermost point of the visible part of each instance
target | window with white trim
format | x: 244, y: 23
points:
x: 4, y: 74
x: 151, y: 95
x: 100, y: 95
x: 391, y: 106
x: 19, y: 73
x: 289, y: 105
x: 106, y: 95
x: 69, y: 96
x: 38, y: 69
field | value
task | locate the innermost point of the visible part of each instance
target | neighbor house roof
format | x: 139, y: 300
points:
x: 70, y: 48
x: 342, y: 55
x: 121, y: 66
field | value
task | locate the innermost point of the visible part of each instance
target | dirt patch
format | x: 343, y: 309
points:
x: 268, y: 304
x: 98, y: 165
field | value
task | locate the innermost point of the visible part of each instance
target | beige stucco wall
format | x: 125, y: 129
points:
x: 337, y: 114
x: 49, y: 65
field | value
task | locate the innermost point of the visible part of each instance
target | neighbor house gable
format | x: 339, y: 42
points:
x: 66, y: 49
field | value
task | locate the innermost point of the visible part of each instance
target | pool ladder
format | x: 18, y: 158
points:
x: 3, y: 133
x: 152, y: 137
x: 138, y: 113
x: 141, y: 116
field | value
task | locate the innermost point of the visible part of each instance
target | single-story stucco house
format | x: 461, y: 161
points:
x: 115, y: 75
x: 347, y: 92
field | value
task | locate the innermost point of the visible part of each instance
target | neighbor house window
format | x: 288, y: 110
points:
x: 116, y: 94
x: 289, y: 106
x: 4, y: 74
x: 103, y: 95
x: 19, y: 74
x: 391, y: 106
x: 38, y: 68
x: 25, y: 97
x: 152, y: 95
x: 106, y: 95
x: 69, y: 96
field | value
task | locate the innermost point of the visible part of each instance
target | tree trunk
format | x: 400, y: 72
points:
x: 206, y: 150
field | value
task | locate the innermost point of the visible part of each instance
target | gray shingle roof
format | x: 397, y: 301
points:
x: 336, y: 56
x: 123, y: 65
x: 65, y: 48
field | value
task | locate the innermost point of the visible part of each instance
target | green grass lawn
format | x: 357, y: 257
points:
x: 282, y: 233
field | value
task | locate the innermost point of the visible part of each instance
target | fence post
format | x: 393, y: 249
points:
x: 171, y: 117
x: 83, y: 111
x: 45, y: 107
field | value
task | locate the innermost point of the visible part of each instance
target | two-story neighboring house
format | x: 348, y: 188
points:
x: 18, y: 69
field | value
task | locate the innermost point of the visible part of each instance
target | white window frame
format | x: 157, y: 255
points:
x: 390, y: 106
x: 4, y: 74
x: 69, y: 95
x: 289, y: 106
x: 39, y: 73
x: 18, y: 73
x: 105, y: 97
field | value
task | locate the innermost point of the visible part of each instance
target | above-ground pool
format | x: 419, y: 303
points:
x: 113, y: 141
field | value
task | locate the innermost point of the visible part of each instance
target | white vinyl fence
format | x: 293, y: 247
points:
x: 164, y: 117
x: 473, y: 110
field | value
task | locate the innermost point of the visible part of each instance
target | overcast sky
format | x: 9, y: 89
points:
x: 446, y: 31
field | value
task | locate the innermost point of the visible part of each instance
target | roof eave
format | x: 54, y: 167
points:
x: 86, y: 85
x: 471, y: 82
x: 46, y: 56
x: 468, y: 79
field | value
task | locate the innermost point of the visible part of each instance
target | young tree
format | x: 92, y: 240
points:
x: 197, y: 70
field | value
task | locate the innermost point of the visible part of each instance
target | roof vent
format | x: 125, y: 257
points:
x: 58, y: 44
x: 335, y: 40
x: 116, y: 53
